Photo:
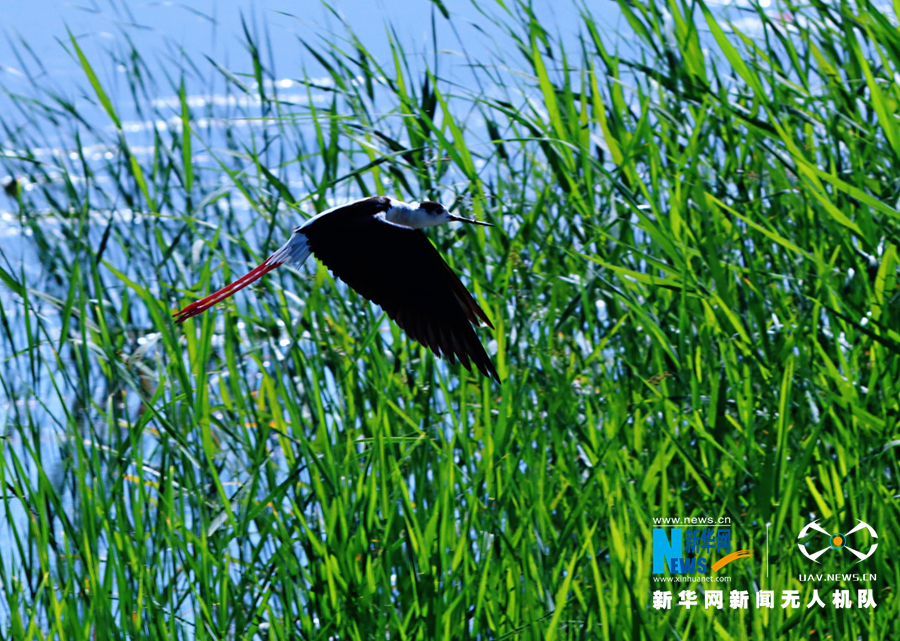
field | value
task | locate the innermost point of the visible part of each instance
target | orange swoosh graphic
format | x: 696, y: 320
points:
x: 734, y: 556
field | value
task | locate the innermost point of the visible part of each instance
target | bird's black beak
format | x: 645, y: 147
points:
x: 470, y: 220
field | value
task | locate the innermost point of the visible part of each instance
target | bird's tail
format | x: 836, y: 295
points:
x: 294, y: 252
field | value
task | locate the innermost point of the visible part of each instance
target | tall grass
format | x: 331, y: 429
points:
x: 693, y: 281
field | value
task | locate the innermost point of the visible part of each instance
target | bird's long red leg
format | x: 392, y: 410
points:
x: 294, y: 252
x: 205, y: 303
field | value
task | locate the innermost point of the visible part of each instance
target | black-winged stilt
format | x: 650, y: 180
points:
x: 376, y: 245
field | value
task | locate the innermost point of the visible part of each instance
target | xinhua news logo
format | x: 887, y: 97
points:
x: 690, y: 551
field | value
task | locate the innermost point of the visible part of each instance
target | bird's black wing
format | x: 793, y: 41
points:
x: 399, y: 269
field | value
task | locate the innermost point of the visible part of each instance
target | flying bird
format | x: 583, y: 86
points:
x: 376, y: 246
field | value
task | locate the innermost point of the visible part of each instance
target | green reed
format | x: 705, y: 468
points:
x: 693, y: 281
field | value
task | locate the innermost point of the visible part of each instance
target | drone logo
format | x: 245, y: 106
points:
x: 836, y: 541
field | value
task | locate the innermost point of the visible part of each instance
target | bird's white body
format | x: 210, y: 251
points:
x: 411, y: 215
x: 293, y: 253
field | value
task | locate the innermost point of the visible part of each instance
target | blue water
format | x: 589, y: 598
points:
x: 37, y: 57
x: 36, y: 52
x: 214, y: 28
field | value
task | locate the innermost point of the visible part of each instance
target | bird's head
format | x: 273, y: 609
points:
x: 431, y: 214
